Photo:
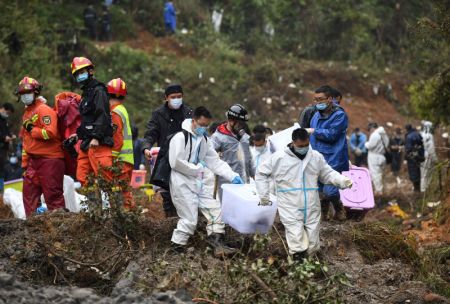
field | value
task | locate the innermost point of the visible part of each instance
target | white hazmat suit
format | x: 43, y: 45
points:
x: 426, y: 166
x: 259, y: 156
x: 376, y: 146
x: 297, y: 194
x: 187, y: 183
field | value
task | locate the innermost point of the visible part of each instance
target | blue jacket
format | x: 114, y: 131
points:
x: 329, y: 137
x: 170, y: 15
x: 358, y: 144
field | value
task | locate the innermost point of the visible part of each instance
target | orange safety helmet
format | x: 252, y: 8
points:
x: 79, y: 63
x: 28, y: 85
x: 117, y: 87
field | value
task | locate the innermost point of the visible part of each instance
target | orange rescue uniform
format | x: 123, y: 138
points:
x: 127, y: 168
x: 42, y: 158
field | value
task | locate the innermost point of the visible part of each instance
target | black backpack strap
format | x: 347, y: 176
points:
x: 188, y: 136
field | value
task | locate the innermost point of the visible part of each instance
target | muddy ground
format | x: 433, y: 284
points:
x: 82, y: 258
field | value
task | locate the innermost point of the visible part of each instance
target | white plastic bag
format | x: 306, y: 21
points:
x: 14, y: 200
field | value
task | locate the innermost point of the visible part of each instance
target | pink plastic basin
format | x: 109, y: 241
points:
x: 360, y: 196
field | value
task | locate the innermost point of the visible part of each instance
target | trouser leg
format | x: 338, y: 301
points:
x: 213, y: 214
x: 83, y: 168
x: 127, y: 171
x: 293, y: 222
x: 100, y: 159
x: 51, y: 178
x: 168, y: 205
x: 31, y: 189
x: 312, y: 228
x: 187, y: 209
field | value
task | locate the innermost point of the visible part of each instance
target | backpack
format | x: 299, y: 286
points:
x: 69, y: 119
x: 161, y: 172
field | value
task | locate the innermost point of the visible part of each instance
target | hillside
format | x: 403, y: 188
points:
x: 386, y: 57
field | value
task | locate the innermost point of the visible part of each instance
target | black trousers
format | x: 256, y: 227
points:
x: 414, y: 174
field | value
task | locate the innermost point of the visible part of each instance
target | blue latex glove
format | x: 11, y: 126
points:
x: 237, y: 180
x: 41, y: 210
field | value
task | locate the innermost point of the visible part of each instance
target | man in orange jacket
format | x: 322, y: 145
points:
x: 42, y: 150
x: 122, y: 136
x: 95, y: 131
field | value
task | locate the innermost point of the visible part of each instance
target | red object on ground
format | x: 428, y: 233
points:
x: 43, y: 176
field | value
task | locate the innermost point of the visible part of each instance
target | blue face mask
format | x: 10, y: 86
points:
x: 176, y: 103
x: 200, y: 131
x: 302, y: 150
x: 321, y: 106
x: 82, y: 77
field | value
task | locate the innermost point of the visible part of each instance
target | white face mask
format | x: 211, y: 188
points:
x: 175, y: 103
x: 260, y: 149
x: 4, y: 114
x: 13, y: 160
x: 27, y: 99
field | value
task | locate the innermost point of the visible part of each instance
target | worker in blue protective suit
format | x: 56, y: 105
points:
x: 170, y: 17
x: 296, y: 171
x: 357, y: 141
x: 328, y: 136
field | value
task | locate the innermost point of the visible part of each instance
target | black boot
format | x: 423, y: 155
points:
x: 325, y: 206
x: 299, y: 256
x: 339, y: 210
x: 215, y: 240
x: 177, y: 248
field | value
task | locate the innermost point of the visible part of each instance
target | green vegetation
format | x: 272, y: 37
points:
x: 243, y: 63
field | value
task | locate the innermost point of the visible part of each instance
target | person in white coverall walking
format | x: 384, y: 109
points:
x: 189, y: 155
x: 376, y: 146
x: 296, y: 172
x: 426, y: 166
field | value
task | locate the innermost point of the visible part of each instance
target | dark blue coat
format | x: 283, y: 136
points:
x: 329, y: 138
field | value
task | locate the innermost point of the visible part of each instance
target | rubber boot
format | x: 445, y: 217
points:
x: 216, y: 241
x: 177, y: 248
x: 299, y: 256
x: 339, y: 210
x: 325, y: 206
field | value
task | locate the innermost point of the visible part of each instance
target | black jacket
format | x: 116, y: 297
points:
x: 305, y: 117
x: 4, y: 131
x: 414, y: 148
x: 164, y: 122
x: 95, y: 114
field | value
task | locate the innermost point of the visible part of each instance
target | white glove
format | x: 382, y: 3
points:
x: 265, y: 202
x: 348, y: 183
x: 310, y: 130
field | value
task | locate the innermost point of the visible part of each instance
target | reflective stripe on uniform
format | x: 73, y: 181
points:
x: 35, y: 118
x: 304, y: 189
x: 45, y: 134
x: 126, y: 152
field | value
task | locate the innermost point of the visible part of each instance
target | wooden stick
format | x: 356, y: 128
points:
x: 263, y: 285
x: 197, y: 300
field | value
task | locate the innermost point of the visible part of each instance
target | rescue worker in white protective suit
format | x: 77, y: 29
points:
x: 296, y: 172
x: 426, y: 166
x: 376, y: 146
x: 261, y: 151
x: 190, y: 154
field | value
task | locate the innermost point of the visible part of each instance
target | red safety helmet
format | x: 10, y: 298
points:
x: 79, y: 63
x: 28, y: 85
x: 117, y: 87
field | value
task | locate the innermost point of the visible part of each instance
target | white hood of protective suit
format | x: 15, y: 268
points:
x: 376, y: 140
